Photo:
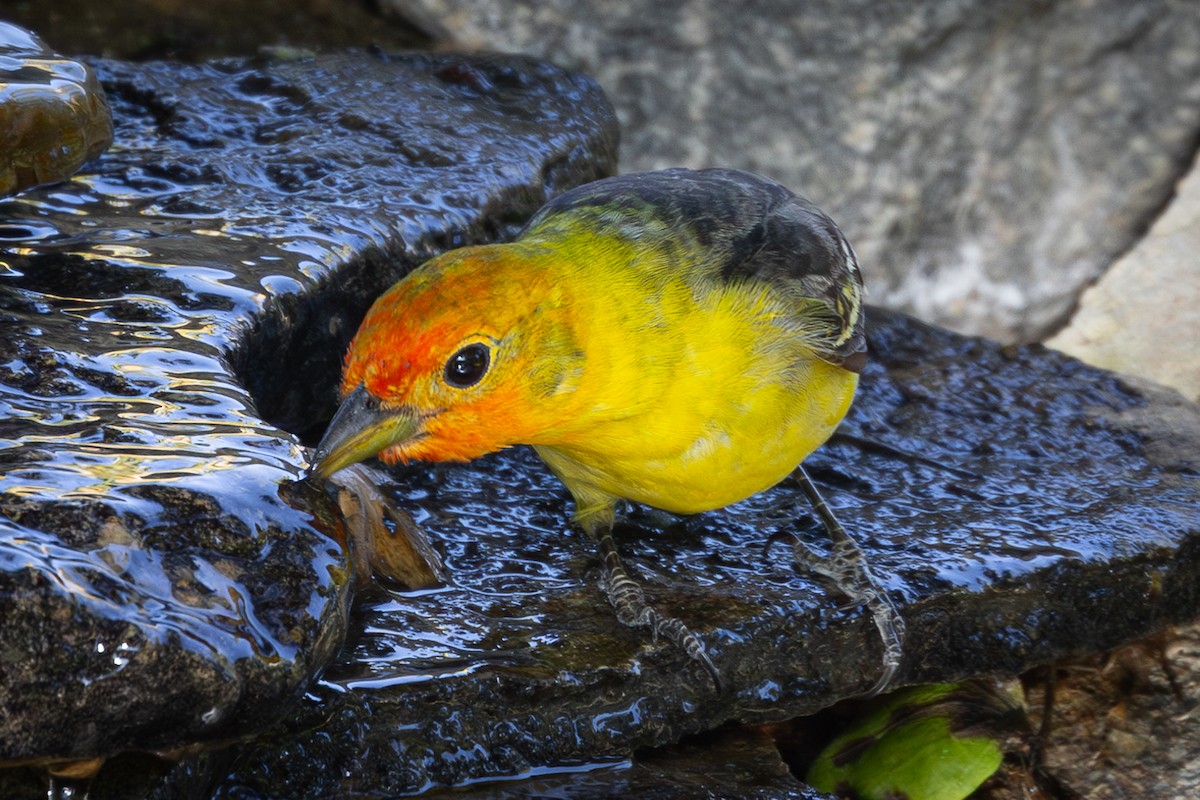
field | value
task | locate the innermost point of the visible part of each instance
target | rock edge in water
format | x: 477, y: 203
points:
x: 53, y: 113
x: 161, y: 581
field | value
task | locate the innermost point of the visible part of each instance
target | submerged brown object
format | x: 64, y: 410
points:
x: 384, y: 540
x: 54, y: 116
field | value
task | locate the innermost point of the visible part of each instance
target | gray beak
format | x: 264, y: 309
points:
x: 361, y: 428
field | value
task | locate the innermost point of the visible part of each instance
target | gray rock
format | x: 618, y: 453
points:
x: 987, y: 159
x: 53, y: 115
x: 161, y: 581
x: 1019, y: 506
x: 1142, y: 316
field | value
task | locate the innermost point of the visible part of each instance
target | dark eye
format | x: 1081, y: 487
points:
x: 468, y: 366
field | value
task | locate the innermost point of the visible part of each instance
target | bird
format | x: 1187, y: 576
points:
x: 681, y: 339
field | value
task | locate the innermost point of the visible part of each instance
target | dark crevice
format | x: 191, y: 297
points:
x: 290, y: 358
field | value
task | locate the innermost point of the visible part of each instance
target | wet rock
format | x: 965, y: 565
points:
x: 161, y: 582
x: 1016, y: 503
x: 741, y: 763
x: 53, y: 115
x: 988, y: 159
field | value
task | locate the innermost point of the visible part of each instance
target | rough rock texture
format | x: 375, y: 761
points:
x: 735, y: 762
x: 160, y: 581
x: 53, y: 115
x: 1142, y: 317
x: 987, y: 159
x: 1124, y: 728
x: 1019, y: 506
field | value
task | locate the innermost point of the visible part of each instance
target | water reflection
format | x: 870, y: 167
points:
x: 139, y: 489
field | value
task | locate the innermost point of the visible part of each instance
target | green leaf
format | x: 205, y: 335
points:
x: 935, y: 742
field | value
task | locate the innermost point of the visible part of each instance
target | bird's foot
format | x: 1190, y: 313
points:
x: 628, y: 600
x: 848, y: 569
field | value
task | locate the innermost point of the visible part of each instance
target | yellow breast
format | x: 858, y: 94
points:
x: 696, y: 400
x: 686, y: 462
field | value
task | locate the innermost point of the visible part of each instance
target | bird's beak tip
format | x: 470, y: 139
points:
x: 315, y: 471
x: 359, y: 430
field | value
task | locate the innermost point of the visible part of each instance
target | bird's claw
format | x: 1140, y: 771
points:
x: 683, y: 638
x: 629, y: 602
x: 847, y: 568
x: 891, y: 631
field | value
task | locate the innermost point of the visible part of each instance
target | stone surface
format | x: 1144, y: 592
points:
x: 1142, y: 317
x: 735, y: 762
x: 987, y: 159
x: 161, y: 580
x: 1009, y: 498
x: 53, y: 115
x: 1124, y: 727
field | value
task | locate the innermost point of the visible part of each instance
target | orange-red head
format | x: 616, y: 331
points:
x: 462, y: 357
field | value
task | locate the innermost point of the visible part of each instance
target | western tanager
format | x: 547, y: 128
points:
x: 682, y: 339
